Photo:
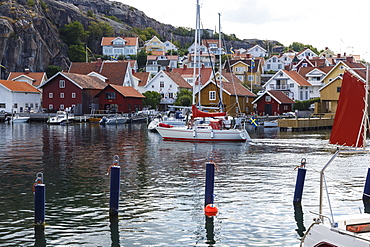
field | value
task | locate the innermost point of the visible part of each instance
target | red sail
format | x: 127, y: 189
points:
x: 199, y: 113
x: 348, y: 123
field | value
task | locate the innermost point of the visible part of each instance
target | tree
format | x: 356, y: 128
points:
x: 77, y: 53
x: 52, y: 70
x: 184, y: 98
x: 152, y: 99
x: 141, y: 58
x: 73, y: 33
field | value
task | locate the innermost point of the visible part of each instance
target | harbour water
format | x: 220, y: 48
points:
x: 162, y: 186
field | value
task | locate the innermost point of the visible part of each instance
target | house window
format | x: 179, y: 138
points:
x: 50, y: 95
x: 2, y: 105
x: 62, y: 84
x: 152, y: 86
x: 15, y: 105
x: 51, y: 107
x: 338, y: 89
x: 61, y: 95
x: 26, y: 105
x: 291, y: 85
x: 161, y: 84
x: 61, y: 107
x: 267, y: 98
x: 36, y: 105
x: 285, y: 107
x: 129, y: 107
x: 212, y: 95
x: 31, y: 105
x: 110, y: 95
x: 73, y: 95
x: 251, y: 78
x: 268, y: 66
x: 170, y: 95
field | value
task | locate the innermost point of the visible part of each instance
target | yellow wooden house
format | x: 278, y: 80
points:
x: 248, y: 71
x: 236, y: 99
x: 329, y: 93
x: 155, y: 45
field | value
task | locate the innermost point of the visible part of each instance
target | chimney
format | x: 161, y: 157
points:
x: 185, y: 66
x: 249, y: 55
x: 326, y: 48
x: 344, y: 54
x: 338, y: 55
x: 26, y: 71
x: 349, y: 59
x: 168, y: 69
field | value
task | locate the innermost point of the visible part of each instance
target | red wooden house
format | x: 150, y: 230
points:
x: 273, y: 103
x: 69, y: 90
x: 117, y: 98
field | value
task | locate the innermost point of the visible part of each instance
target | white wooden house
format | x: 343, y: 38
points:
x: 19, y: 96
x: 116, y: 46
x: 291, y: 83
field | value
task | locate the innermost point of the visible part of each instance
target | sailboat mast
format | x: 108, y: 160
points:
x: 219, y: 54
x: 366, y: 120
x: 195, y: 50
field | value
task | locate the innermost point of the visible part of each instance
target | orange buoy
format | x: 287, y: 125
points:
x: 210, y: 210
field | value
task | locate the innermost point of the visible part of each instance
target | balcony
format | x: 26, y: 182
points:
x: 167, y: 100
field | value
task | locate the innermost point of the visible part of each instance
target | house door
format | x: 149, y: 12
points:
x: 268, y: 109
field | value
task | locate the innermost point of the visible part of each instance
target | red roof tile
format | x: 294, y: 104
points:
x: 130, y: 40
x: 37, y: 76
x: 127, y: 91
x: 19, y: 86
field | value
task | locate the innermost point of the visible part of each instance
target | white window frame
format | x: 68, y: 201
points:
x: 73, y: 95
x: 61, y: 95
x: 62, y: 83
x: 51, y: 106
x: 212, y: 95
x: 51, y: 95
x: 61, y: 107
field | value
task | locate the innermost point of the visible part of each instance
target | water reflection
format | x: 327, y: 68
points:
x: 210, y: 230
x: 298, y: 216
x: 162, y: 186
x: 40, y: 240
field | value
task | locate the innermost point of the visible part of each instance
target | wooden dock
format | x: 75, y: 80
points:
x: 305, y: 123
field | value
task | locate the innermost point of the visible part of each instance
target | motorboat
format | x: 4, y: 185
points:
x: 113, y: 119
x: 62, y: 117
x: 19, y: 119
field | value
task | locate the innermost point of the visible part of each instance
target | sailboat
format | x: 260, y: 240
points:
x: 212, y: 131
x: 349, y: 131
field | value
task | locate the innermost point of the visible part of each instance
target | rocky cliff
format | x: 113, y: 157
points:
x: 29, y: 35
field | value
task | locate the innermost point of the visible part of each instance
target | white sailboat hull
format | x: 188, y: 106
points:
x: 320, y: 234
x: 206, y: 134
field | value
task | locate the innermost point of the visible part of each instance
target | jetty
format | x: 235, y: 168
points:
x: 310, y: 123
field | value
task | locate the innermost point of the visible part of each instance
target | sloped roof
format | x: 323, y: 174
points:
x: 85, y: 81
x: 143, y: 77
x: 129, y: 40
x: 205, y: 73
x: 36, y: 76
x: 127, y: 91
x: 114, y: 71
x: 279, y: 96
x: 176, y: 77
x: 297, y: 78
x: 19, y: 86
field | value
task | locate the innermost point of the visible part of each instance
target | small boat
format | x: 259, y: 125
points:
x: 270, y: 124
x: 62, y: 117
x: 349, y: 131
x: 19, y: 119
x: 113, y: 119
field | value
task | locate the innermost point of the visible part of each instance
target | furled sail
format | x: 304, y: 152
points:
x: 199, y: 113
x: 349, y: 119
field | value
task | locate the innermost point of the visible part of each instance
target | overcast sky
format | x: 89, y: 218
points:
x: 337, y: 24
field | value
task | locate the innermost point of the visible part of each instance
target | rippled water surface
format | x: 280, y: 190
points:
x: 162, y: 186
